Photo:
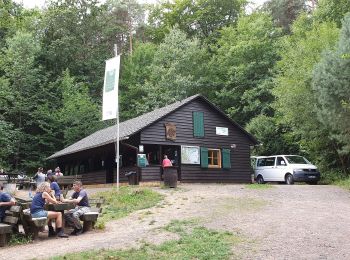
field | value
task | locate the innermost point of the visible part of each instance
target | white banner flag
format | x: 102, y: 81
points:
x: 110, y: 89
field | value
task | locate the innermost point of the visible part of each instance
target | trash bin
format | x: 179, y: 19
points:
x: 170, y: 176
x: 132, y: 178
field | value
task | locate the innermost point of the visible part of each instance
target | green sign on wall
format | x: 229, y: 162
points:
x: 141, y: 160
x: 110, y: 80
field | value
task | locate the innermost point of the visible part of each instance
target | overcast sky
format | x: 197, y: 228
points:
x: 40, y: 3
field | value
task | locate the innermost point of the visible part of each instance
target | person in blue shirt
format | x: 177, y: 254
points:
x: 6, y: 201
x: 55, y: 187
x: 81, y: 200
x: 57, y: 194
x: 37, y: 208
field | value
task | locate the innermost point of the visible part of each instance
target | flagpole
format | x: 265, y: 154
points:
x: 117, y: 122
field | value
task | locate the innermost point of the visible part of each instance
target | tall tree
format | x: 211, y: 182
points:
x: 10, y: 14
x: 241, y: 70
x: 285, y: 12
x: 332, y: 11
x: 295, y: 99
x: 274, y: 137
x: 26, y: 81
x: 80, y: 36
x: 331, y: 84
x: 177, y: 71
x: 198, y: 18
x: 79, y: 115
x: 135, y: 73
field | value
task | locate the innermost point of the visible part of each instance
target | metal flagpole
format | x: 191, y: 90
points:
x: 117, y: 122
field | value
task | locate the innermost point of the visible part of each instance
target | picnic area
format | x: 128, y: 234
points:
x: 213, y: 221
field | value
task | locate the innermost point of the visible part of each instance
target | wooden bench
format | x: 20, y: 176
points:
x: 32, y: 226
x: 90, y: 218
x: 10, y: 224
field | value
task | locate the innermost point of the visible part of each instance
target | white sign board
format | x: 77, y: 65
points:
x: 190, y: 155
x: 221, y: 130
x: 110, y: 89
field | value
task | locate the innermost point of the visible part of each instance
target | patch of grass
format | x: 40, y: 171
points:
x: 345, y: 183
x: 332, y: 177
x: 197, y: 243
x: 255, y: 186
x: 181, y: 227
x: 19, y: 239
x: 127, y: 200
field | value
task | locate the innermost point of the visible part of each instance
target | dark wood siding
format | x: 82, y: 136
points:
x: 98, y: 177
x: 150, y: 173
x: 182, y: 118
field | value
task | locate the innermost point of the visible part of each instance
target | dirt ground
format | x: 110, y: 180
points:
x: 284, y: 222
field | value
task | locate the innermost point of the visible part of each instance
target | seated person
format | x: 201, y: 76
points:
x: 57, y: 194
x: 55, y: 187
x: 81, y: 200
x: 6, y: 201
x: 37, y: 208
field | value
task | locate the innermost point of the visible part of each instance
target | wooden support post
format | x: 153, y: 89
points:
x: 87, y: 226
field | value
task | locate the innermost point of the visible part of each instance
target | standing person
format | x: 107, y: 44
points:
x: 39, y: 177
x: 6, y: 201
x: 58, y: 172
x: 81, y: 200
x: 166, y: 162
x: 37, y: 208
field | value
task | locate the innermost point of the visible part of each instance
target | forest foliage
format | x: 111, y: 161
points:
x: 282, y: 71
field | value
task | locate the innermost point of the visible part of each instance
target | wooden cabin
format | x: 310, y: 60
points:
x: 201, y: 141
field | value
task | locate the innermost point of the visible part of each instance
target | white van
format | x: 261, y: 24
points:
x: 284, y: 168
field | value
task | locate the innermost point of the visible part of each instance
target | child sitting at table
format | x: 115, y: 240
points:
x: 37, y: 208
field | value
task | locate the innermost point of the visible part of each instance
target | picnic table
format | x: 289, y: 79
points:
x: 11, y: 177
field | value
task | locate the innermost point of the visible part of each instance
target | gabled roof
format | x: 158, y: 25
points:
x: 132, y: 126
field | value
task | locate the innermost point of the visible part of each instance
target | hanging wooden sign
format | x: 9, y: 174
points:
x: 170, y: 131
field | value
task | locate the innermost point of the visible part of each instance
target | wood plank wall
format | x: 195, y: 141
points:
x: 150, y: 173
x: 182, y: 118
x: 97, y: 177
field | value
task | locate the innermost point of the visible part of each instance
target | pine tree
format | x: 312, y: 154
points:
x: 331, y: 84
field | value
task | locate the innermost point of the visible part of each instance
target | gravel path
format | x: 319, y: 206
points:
x: 284, y: 222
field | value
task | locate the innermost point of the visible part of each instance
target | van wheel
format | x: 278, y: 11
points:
x: 289, y: 179
x: 260, y: 180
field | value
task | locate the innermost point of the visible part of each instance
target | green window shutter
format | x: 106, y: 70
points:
x: 198, y: 124
x: 204, y: 157
x: 226, y: 158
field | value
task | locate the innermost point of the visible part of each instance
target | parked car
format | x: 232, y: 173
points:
x: 284, y: 168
